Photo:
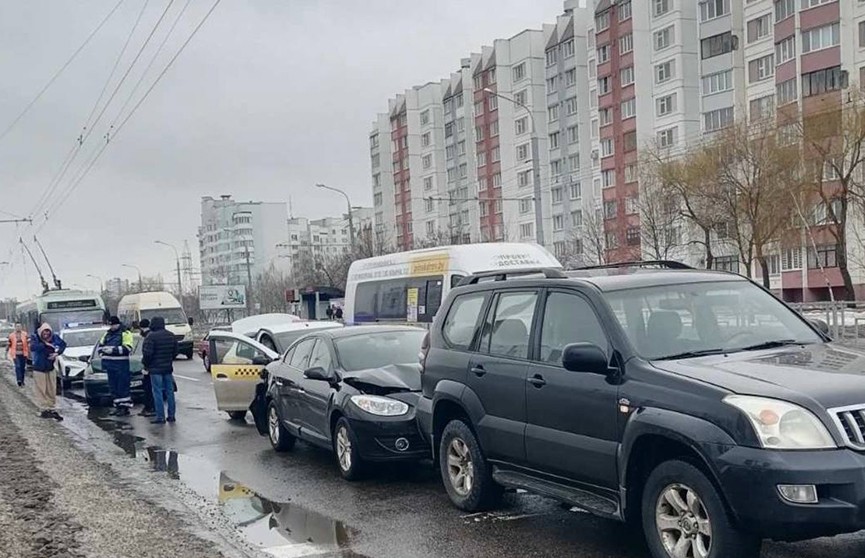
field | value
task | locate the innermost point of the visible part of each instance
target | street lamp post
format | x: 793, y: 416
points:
x: 350, y: 219
x: 136, y: 268
x: 177, y: 257
x: 536, y: 164
x: 101, y: 282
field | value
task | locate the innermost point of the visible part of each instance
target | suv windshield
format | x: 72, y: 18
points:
x: 375, y: 350
x: 670, y: 321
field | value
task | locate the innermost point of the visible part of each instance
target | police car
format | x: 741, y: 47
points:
x: 80, y: 339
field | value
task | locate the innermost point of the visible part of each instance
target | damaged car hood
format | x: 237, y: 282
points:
x: 398, y: 377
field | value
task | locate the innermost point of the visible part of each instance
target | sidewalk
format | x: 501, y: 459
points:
x: 58, y: 501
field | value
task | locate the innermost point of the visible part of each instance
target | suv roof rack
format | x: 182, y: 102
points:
x: 664, y: 264
x: 503, y: 274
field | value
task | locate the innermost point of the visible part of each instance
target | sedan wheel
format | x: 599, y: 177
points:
x: 683, y: 523
x: 347, y: 455
x: 280, y: 439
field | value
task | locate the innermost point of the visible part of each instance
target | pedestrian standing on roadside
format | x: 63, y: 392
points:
x: 148, y: 410
x: 158, y: 352
x: 338, y: 313
x: 115, y: 347
x: 44, y: 348
x: 329, y: 312
x: 19, y: 352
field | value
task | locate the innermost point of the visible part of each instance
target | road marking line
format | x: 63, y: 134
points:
x: 187, y: 378
x: 296, y: 550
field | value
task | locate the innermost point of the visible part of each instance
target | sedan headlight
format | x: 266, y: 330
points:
x: 782, y: 425
x: 381, y: 406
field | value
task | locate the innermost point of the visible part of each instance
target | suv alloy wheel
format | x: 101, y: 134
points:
x: 464, y: 470
x: 279, y: 437
x: 684, y: 517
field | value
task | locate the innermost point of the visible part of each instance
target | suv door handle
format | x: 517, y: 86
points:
x: 479, y: 370
x: 537, y: 380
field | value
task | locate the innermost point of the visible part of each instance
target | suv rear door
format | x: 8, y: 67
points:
x: 498, y: 371
x: 572, y: 416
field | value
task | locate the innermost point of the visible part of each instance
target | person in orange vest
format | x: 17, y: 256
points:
x: 19, y: 352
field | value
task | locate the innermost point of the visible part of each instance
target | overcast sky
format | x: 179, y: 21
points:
x: 270, y: 97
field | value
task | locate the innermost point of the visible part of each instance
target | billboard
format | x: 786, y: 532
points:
x: 219, y: 297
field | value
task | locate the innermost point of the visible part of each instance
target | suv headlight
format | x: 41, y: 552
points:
x: 782, y: 425
x: 381, y: 406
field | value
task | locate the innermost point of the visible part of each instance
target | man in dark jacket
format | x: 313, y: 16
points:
x: 160, y: 347
x: 44, y: 348
x: 148, y: 411
x: 115, y: 347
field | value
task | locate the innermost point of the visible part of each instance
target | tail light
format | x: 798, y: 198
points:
x: 424, y: 351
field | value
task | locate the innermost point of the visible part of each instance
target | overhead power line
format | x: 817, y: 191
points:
x: 57, y: 74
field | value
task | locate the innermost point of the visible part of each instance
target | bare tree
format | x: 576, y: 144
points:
x: 660, y: 215
x: 269, y: 290
x: 589, y: 239
x: 834, y: 158
x: 436, y: 239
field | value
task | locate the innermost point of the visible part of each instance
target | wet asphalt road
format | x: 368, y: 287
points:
x: 296, y: 504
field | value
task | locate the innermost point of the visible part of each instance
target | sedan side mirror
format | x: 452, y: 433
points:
x: 84, y: 358
x: 318, y: 373
x: 585, y: 357
x: 821, y: 325
x: 261, y: 361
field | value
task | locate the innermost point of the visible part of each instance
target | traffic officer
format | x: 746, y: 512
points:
x: 115, y: 348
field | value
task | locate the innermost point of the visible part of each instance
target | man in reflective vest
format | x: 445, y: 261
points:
x: 19, y: 352
x: 115, y: 348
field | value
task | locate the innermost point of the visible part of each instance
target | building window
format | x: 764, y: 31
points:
x: 660, y: 7
x: 626, y: 76
x: 556, y: 167
x: 629, y: 141
x: 603, y: 54
x: 605, y: 116
x: 610, y: 209
x: 577, y: 218
x: 630, y: 173
x: 524, y: 178
x: 632, y: 205
x: 593, y: 68
x: 761, y: 68
x: 519, y: 72
x: 862, y: 34
x: 611, y: 240
x: 826, y: 256
x: 786, y: 92
x: 482, y: 159
x: 497, y: 183
x: 427, y: 161
x: 666, y: 104
x: 632, y: 236
x: 667, y: 138
x: 461, y: 148
x: 726, y: 263
x: 607, y: 147
x: 571, y: 106
x: 576, y: 191
x: 593, y: 98
x: 558, y: 222
x: 551, y: 84
x: 493, y: 102
x: 629, y: 108
x: 376, y: 161
x: 568, y: 49
x: 785, y: 50
x: 425, y: 140
x: 376, y: 199
x: 450, y: 152
x: 571, y: 77
x: 717, y: 119
x: 626, y: 43
x: 602, y: 21
x: 491, y: 76
x: 716, y: 45
x: 464, y: 170
x: 521, y: 125
x: 429, y: 205
x: 523, y: 152
x: 664, y: 72
x: 806, y: 4
x: 496, y: 154
x: 427, y: 183
x: 557, y: 194
x: 573, y: 134
x: 553, y: 112
x: 762, y: 107
x: 554, y: 140
x: 821, y: 37
x: 527, y: 230
x: 521, y: 97
x: 718, y: 82
x: 624, y: 10
x: 552, y: 56
x: 664, y: 38
x: 452, y: 175
x: 821, y: 81
x: 430, y: 228
x: 596, y: 128
x: 784, y: 9
x: 449, y: 129
x: 608, y: 178
x: 424, y: 118
x: 791, y: 258
x: 759, y: 28
x: 604, y: 85
x: 710, y: 9
x: 494, y: 128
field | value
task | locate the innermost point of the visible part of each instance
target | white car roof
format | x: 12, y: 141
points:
x: 282, y: 328
x: 253, y: 324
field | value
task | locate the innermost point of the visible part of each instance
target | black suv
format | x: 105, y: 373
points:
x: 693, y: 403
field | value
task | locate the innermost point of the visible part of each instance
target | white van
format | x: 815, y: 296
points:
x: 409, y: 287
x: 137, y: 307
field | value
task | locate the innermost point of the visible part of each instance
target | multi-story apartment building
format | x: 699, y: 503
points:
x: 313, y: 241
x: 239, y: 239
x: 383, y: 189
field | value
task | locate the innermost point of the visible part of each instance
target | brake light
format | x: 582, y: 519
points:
x: 424, y: 351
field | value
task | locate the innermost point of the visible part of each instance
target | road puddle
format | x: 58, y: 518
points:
x: 281, y: 529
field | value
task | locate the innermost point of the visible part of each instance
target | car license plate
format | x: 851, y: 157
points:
x: 136, y: 383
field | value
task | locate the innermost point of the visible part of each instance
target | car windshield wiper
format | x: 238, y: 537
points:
x: 769, y: 345
x: 693, y: 354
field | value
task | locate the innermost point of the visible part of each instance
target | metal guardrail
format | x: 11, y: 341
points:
x: 846, y: 319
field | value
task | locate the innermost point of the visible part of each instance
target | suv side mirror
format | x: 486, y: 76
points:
x: 585, y: 357
x: 261, y: 361
x: 821, y: 325
x: 318, y: 373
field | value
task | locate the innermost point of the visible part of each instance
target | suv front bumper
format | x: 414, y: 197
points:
x: 750, y: 479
